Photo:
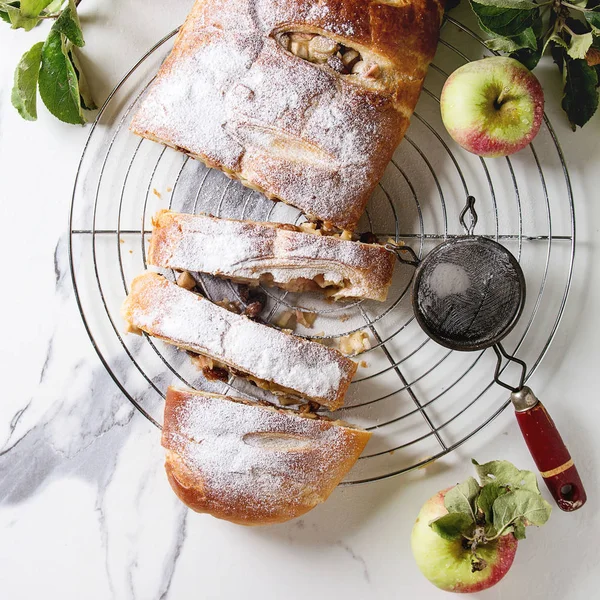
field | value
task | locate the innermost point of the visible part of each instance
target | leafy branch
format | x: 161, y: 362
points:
x: 570, y: 31
x: 505, y: 503
x: 52, y: 66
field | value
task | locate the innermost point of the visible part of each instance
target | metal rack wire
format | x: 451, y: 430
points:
x: 420, y: 399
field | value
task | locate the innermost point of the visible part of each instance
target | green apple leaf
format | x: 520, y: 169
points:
x: 592, y: 15
x: 527, y: 57
x: 518, y: 529
x: 527, y: 39
x: 488, y: 495
x: 506, y: 18
x: 555, y: 38
x: 580, y: 96
x: 4, y: 7
x: 54, y: 6
x: 58, y: 81
x: 68, y: 24
x: 18, y: 20
x: 32, y: 8
x: 453, y: 526
x: 520, y: 504
x: 87, y: 102
x: 504, y: 473
x: 580, y: 44
x: 24, y: 92
x: 461, y: 498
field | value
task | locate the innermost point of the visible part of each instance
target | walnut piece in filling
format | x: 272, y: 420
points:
x: 322, y: 50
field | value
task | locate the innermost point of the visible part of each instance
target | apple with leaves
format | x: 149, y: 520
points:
x: 492, y: 107
x: 465, y: 538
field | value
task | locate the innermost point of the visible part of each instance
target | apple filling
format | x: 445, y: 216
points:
x: 322, y: 50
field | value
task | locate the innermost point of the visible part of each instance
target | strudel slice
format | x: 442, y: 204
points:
x: 252, y: 463
x: 276, y: 254
x: 273, y: 359
x: 305, y: 101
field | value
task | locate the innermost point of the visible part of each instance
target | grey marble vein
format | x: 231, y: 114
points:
x: 173, y: 557
x: 357, y: 558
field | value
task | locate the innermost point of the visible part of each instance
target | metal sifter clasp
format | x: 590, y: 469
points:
x: 470, y: 209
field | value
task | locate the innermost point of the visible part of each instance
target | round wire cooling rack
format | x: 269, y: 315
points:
x: 420, y: 400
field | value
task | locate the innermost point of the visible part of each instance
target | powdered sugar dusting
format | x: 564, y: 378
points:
x: 298, y: 461
x: 187, y: 320
x: 247, y: 250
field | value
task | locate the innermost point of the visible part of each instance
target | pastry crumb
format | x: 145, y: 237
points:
x: 169, y: 189
x: 364, y: 364
x: 156, y: 193
x: 130, y: 328
x: 344, y: 318
x: 286, y: 320
x: 233, y: 307
x: 355, y: 343
x: 186, y: 281
x: 307, y: 319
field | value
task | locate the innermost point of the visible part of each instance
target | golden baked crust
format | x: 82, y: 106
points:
x: 279, y: 361
x: 232, y: 96
x: 250, y: 463
x: 272, y: 253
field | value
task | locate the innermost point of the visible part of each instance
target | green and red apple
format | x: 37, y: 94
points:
x: 492, y: 107
x: 448, y: 564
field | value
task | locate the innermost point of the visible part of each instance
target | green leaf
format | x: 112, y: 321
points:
x: 452, y: 526
x: 520, y: 504
x: 461, y: 498
x: 510, y: 4
x: 528, y: 57
x: 593, y: 18
x: 556, y: 39
x: 506, y: 18
x: 504, y: 473
x: 24, y: 92
x: 58, y: 81
x: 580, y: 96
x: 526, y: 39
x: 580, y: 99
x: 519, y: 529
x: 32, y: 8
x: 592, y: 15
x: 87, y: 102
x: 18, y: 20
x: 54, y: 6
x: 580, y: 44
x: 68, y: 24
x: 486, y: 499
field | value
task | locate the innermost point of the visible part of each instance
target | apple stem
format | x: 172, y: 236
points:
x: 479, y: 537
x: 500, y: 99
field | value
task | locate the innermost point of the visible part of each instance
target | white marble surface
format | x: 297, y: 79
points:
x: 85, y: 508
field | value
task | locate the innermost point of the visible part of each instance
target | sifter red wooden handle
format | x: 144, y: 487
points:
x: 548, y: 451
